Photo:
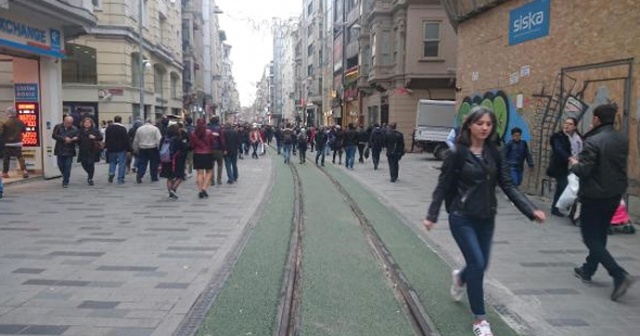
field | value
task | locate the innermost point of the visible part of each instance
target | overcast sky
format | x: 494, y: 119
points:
x: 247, y: 25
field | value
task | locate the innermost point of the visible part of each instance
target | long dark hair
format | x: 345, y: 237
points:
x: 474, y: 115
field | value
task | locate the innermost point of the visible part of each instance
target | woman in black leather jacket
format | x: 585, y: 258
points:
x: 467, y: 184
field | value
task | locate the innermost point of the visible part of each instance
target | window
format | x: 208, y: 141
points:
x: 80, y: 66
x: 310, y: 29
x: 374, y: 38
x: 310, y: 50
x: 97, y: 4
x: 174, y: 85
x: 135, y: 70
x: 386, y: 47
x: 431, y: 43
x: 310, y: 70
x: 158, y: 79
x: 163, y: 23
x: 309, y: 8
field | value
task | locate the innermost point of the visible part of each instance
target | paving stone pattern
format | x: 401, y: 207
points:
x: 530, y: 279
x: 115, y: 260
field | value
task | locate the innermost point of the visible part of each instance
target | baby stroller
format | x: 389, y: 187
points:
x: 621, y: 221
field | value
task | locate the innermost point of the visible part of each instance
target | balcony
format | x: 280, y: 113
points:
x: 462, y: 10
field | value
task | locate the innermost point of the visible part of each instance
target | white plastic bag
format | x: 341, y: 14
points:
x: 569, y: 195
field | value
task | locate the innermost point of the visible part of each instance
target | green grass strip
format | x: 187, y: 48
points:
x: 344, y: 289
x: 248, y: 301
x: 429, y: 275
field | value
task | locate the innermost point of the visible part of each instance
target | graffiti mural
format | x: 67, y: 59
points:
x: 506, y: 113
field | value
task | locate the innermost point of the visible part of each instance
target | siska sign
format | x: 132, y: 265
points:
x: 529, y: 22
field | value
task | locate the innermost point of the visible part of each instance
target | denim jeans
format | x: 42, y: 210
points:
x: 150, y: 156
x: 320, y: 153
x: 595, y: 219
x: 64, y: 164
x: 516, y: 175
x: 286, y: 151
x: 350, y: 158
x: 231, y: 165
x: 279, y: 145
x: 474, y: 237
x: 119, y: 158
x: 1, y: 185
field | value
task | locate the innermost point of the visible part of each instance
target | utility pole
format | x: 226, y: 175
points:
x: 141, y: 111
x: 344, y: 60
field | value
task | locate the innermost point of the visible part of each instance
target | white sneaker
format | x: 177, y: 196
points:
x: 456, y: 291
x: 482, y: 329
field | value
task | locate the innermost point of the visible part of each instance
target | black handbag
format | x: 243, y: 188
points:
x: 366, y: 153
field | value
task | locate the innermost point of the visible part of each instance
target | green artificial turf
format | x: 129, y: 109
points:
x: 248, y: 302
x: 429, y: 275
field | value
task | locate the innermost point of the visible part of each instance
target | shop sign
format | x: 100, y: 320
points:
x: 529, y: 22
x: 27, y: 36
x: 26, y: 92
x: 29, y: 114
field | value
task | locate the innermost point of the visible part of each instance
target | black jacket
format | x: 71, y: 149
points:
x: 321, y: 139
x: 116, y: 139
x: 350, y: 137
x: 376, y: 141
x: 560, y: 154
x: 602, y: 166
x: 232, y: 141
x: 395, y: 143
x: 87, y: 148
x: 473, y: 185
x: 62, y: 148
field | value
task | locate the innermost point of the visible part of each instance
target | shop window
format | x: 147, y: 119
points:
x: 80, y: 66
x: 431, y: 40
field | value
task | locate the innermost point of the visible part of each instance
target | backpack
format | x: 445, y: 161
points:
x: 217, y: 133
x: 165, y: 151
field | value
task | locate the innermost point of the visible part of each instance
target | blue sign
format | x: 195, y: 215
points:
x: 55, y: 40
x: 529, y: 22
x: 26, y: 92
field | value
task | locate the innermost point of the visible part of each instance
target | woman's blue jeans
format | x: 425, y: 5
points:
x: 474, y: 237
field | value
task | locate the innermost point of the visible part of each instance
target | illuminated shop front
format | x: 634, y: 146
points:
x: 32, y: 35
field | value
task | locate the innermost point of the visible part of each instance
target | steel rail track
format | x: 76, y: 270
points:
x: 404, y: 291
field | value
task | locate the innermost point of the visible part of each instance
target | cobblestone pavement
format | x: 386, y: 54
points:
x: 530, y: 279
x: 116, y: 260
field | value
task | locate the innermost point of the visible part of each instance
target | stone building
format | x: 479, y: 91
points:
x: 101, y: 75
x: 404, y: 51
x: 536, y: 62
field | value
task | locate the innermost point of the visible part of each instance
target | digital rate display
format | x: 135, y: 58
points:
x: 29, y: 114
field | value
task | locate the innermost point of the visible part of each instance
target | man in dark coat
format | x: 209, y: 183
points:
x: 561, y: 151
x: 602, y: 169
x: 117, y: 145
x: 376, y: 142
x: 231, y: 146
x: 395, y: 151
x: 66, y: 136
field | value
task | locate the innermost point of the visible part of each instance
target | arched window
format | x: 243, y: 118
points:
x: 80, y: 66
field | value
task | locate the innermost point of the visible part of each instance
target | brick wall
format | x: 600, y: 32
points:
x: 581, y: 32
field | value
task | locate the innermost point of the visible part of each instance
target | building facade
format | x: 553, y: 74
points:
x: 577, y: 55
x: 103, y: 72
x: 193, y: 55
x: 406, y: 52
x: 32, y: 47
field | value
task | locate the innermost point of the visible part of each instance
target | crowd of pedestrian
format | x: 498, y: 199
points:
x: 163, y: 149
